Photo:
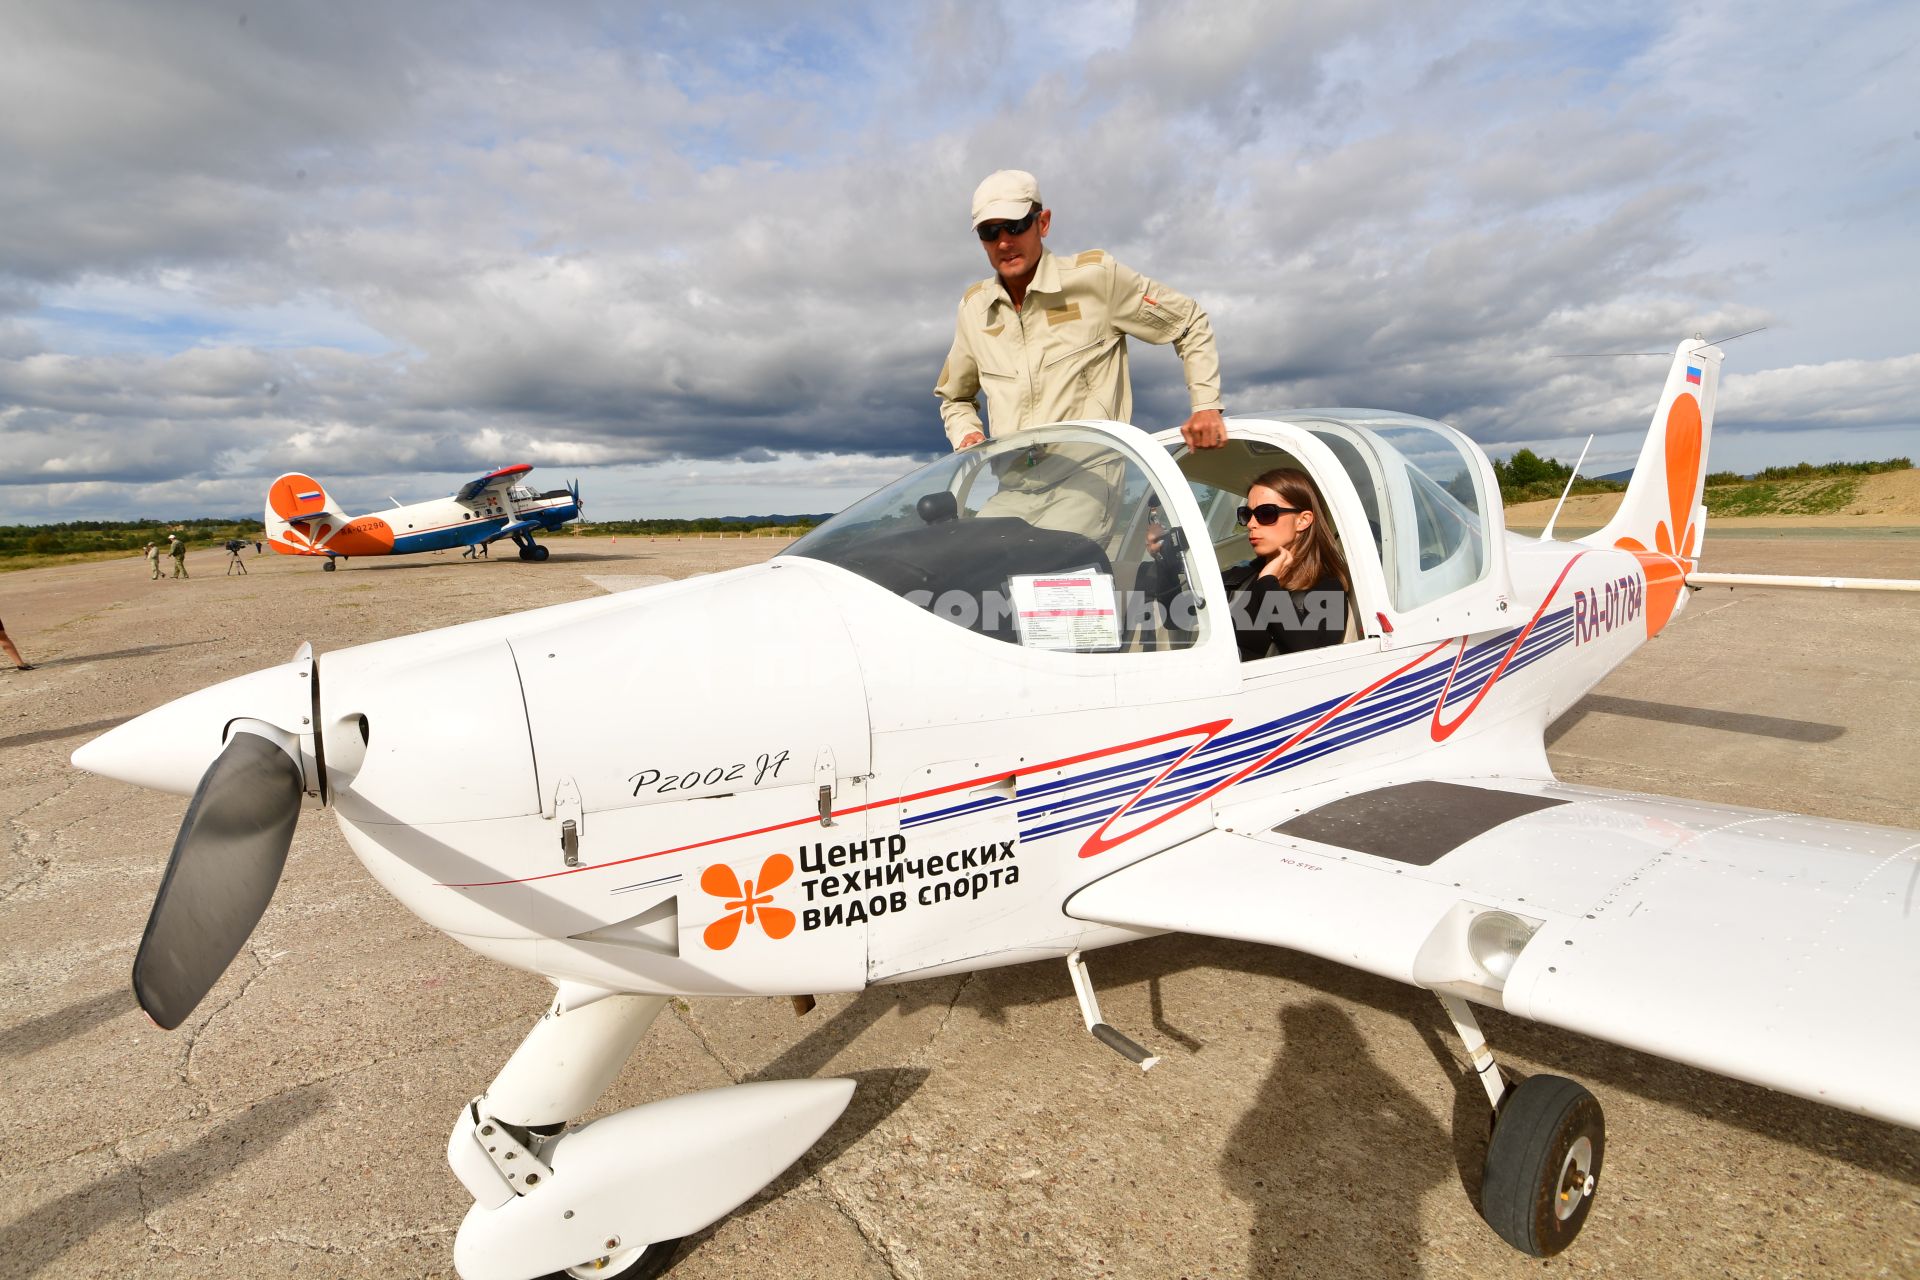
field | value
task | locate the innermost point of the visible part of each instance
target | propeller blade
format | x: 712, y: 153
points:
x: 223, y: 870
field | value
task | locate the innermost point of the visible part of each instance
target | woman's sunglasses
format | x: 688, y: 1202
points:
x: 1265, y: 513
x: 991, y: 231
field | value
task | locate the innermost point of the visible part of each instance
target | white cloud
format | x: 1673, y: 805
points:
x: 407, y: 244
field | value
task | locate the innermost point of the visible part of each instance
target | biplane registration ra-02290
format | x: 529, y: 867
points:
x: 303, y: 519
x: 1091, y: 763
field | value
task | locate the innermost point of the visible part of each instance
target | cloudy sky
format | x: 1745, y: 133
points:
x: 705, y: 256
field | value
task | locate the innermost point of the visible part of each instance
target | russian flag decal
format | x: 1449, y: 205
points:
x: 1693, y: 375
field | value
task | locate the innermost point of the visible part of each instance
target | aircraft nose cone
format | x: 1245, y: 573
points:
x: 169, y: 747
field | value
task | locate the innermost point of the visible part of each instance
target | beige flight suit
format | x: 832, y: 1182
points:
x: 1063, y: 354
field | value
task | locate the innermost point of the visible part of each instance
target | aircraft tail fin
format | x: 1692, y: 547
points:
x: 301, y: 515
x: 1661, y: 519
x: 1661, y: 513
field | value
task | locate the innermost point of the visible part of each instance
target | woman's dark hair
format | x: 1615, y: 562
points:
x: 1314, y: 554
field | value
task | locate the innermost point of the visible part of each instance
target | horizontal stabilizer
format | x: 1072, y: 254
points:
x: 1792, y: 580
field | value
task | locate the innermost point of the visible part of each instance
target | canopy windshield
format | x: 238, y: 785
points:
x: 1040, y: 539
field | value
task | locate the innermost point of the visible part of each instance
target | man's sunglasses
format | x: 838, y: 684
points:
x: 1265, y: 513
x: 991, y: 231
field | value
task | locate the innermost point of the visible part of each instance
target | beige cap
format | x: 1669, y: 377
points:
x: 1006, y: 193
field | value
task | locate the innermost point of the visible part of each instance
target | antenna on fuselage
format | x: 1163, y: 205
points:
x: 1546, y: 534
x: 1721, y: 342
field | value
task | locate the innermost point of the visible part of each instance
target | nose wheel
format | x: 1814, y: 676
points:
x: 643, y: 1263
x: 1543, y: 1164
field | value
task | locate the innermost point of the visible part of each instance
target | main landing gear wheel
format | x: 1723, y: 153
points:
x: 329, y: 566
x: 541, y: 553
x: 628, y: 1264
x: 1543, y: 1164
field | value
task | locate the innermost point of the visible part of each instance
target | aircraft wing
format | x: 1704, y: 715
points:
x: 1776, y: 949
x: 492, y: 480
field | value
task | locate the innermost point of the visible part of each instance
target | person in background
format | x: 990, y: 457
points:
x: 153, y: 560
x: 178, y: 550
x: 6, y: 646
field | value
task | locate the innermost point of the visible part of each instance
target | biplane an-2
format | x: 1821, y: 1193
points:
x: 970, y: 735
x: 304, y: 520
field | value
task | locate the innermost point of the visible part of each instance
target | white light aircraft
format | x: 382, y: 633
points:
x: 953, y: 729
x: 303, y: 519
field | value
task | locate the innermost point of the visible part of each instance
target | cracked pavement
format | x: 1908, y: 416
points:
x: 1306, y: 1120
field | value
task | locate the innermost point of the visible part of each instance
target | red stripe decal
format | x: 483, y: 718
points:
x: 1441, y: 732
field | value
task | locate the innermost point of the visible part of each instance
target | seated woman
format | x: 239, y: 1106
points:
x: 1292, y: 596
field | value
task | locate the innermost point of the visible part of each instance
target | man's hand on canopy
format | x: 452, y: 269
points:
x: 1206, y: 429
x: 969, y: 440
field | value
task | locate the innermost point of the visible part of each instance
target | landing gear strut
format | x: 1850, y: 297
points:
x: 1543, y: 1162
x: 613, y: 1197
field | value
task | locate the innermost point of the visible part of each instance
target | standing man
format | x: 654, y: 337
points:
x: 178, y: 550
x: 153, y: 560
x: 1046, y: 338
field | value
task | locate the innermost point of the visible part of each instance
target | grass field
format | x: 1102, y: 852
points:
x: 1783, y: 497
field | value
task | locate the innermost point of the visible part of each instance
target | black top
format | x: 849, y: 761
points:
x: 1269, y: 619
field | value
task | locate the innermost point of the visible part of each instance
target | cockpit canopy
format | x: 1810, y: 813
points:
x: 1040, y: 540
x: 1061, y: 538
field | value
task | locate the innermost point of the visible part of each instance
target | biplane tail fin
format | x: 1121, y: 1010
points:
x: 301, y: 515
x: 1662, y: 512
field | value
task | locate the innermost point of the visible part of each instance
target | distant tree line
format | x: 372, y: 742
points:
x: 80, y: 536
x: 1811, y: 470
x: 1527, y: 477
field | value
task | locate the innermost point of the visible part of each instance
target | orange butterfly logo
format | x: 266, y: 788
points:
x: 747, y: 903
x: 1672, y: 543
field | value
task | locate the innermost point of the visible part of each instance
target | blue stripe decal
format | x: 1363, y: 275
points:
x: 1083, y: 800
